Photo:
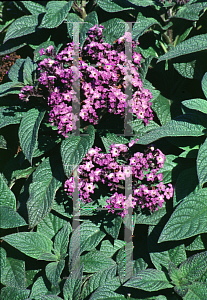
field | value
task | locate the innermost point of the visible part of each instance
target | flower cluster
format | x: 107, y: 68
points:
x: 148, y: 189
x: 104, y: 72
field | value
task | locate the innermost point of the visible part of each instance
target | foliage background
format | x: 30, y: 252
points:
x: 37, y: 240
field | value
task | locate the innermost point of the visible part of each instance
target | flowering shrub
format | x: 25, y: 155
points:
x: 102, y: 85
x: 148, y: 189
x: 87, y: 210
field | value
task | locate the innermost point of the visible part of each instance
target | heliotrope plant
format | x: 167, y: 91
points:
x: 102, y: 84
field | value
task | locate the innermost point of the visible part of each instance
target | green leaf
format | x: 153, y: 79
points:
x: 92, y: 18
x: 196, y: 291
x: 106, y: 293
x: 161, y: 106
x: 183, y: 125
x: 10, y: 218
x: 124, y: 262
x: 29, y: 71
x: 140, y: 128
x: 168, y: 167
x: 194, y: 267
x: 71, y: 18
x: 13, y: 274
x: 182, y: 223
x: 47, y: 179
x: 144, y: 67
x: 191, y: 69
x: 196, y: 245
x: 113, y: 29
x: 10, y: 88
x: 10, y: 115
x: 62, y: 239
x: 3, y: 143
x: 72, y: 286
x: 191, y: 11
x: 22, y: 26
x: 202, y: 163
x: 114, y: 6
x: 197, y: 104
x: 50, y: 225
x: 34, y: 8
x: 94, y: 260
x: 152, y: 219
x: 149, y: 280
x: 33, y: 244
x: 56, y: 13
x: 108, y: 249
x: 8, y: 293
x: 143, y: 3
x: 28, y: 131
x: 29, y: 277
x: 141, y: 25
x: 15, y: 71
x: 74, y: 148
x: 39, y: 288
x: 204, y: 84
x: 84, y: 238
x: 53, y: 271
x: 3, y: 260
x: 113, y: 225
x: 174, y: 273
x: 99, y: 279
x: 7, y: 197
x: 194, y: 44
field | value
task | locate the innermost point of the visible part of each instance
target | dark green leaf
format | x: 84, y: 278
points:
x: 141, y: 25
x: 202, y: 163
x: 7, y: 197
x: 113, y: 29
x: 13, y: 274
x: 194, y: 44
x: 29, y: 71
x: 28, y: 131
x: 182, y: 223
x: 10, y: 218
x: 72, y: 286
x: 34, y: 8
x: 149, y: 280
x: 22, y: 26
x: 32, y: 244
x: 8, y: 293
x: 56, y: 13
x: 15, y: 71
x: 114, y: 6
x: 74, y: 148
x: 53, y: 271
x: 204, y: 84
x: 161, y: 106
x: 47, y: 179
x: 62, y: 239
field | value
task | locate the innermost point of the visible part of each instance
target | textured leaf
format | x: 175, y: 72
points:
x: 189, y: 69
x: 29, y: 71
x: 108, y: 249
x: 183, y: 125
x: 56, y: 13
x: 62, y: 239
x: 149, y: 280
x: 50, y: 225
x: 197, y: 104
x: 72, y: 18
x: 202, y: 163
x: 141, y: 25
x: 8, y: 293
x: 144, y: 67
x: 194, y: 44
x: 15, y: 71
x: 47, y: 179
x: 113, y: 29
x: 10, y: 88
x: 196, y: 291
x: 10, y: 218
x: 84, y: 238
x: 114, y: 6
x: 143, y: 3
x: 72, y: 286
x: 39, y: 288
x: 10, y: 115
x: 153, y: 219
x: 197, y: 244
x: 105, y: 293
x: 161, y: 106
x: 204, y: 84
x: 92, y: 18
x: 13, y: 273
x: 3, y: 143
x: 112, y: 138
x: 113, y: 225
x: 125, y: 262
x: 74, y: 148
x: 194, y: 267
x: 22, y: 26
x: 7, y: 198
x: 183, y: 223
x: 29, y: 277
x: 140, y: 129
x: 94, y: 260
x: 53, y: 271
x: 191, y: 11
x: 32, y: 244
x: 34, y: 8
x: 28, y: 131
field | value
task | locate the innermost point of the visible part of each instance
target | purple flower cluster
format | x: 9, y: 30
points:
x: 104, y: 73
x: 148, y: 189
